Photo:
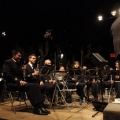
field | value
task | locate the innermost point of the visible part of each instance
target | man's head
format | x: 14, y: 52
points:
x: 17, y: 55
x: 76, y: 64
x: 47, y: 62
x: 61, y: 68
x: 117, y: 64
x: 32, y: 58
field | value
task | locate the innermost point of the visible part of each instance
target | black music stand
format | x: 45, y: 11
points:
x: 63, y: 73
x: 100, y: 62
x: 47, y: 69
x: 75, y: 72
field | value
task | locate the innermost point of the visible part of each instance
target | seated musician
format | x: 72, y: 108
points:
x: 107, y: 78
x: 64, y: 83
x: 13, y: 74
x: 46, y: 78
x: 116, y: 77
x: 33, y: 76
x: 90, y: 78
x: 76, y: 79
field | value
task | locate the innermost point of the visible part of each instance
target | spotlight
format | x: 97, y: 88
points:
x: 113, y: 13
x: 3, y: 33
x: 100, y: 17
x: 61, y: 56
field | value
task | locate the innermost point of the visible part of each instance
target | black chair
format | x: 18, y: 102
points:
x: 13, y: 95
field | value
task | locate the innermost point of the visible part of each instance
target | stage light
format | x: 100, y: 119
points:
x: 3, y: 33
x: 113, y: 13
x: 61, y: 56
x: 100, y: 17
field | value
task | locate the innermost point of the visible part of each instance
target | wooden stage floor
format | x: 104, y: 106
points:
x: 59, y: 112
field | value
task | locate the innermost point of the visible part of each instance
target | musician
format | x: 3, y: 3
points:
x: 93, y: 83
x: 76, y: 79
x: 89, y: 83
x: 46, y: 78
x: 64, y: 83
x: 116, y: 78
x: 31, y: 73
x: 13, y: 74
x: 107, y: 78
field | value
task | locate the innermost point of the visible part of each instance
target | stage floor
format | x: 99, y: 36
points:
x: 59, y: 112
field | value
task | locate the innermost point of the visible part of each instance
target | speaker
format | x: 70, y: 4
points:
x: 99, y: 106
x: 98, y: 60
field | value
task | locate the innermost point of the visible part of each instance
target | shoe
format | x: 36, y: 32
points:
x: 39, y: 111
x: 47, y: 111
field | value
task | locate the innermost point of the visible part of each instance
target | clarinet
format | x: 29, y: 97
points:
x: 38, y: 65
x: 24, y: 73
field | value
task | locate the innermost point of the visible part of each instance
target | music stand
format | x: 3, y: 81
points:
x: 63, y: 73
x: 93, y: 73
x: 75, y: 72
x: 46, y: 70
x: 100, y: 62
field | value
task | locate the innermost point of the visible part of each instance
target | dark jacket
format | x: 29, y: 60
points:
x: 29, y: 77
x: 12, y: 71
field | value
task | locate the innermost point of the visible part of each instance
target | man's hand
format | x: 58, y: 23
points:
x: 22, y: 82
x: 41, y: 83
x: 117, y: 77
x: 77, y: 83
x: 35, y: 73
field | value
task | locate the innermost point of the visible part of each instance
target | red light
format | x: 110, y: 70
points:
x: 112, y: 55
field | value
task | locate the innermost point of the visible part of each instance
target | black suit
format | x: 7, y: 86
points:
x: 29, y: 78
x: 13, y: 74
x: 47, y: 88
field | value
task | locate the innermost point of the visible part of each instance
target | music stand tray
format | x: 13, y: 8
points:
x: 46, y: 70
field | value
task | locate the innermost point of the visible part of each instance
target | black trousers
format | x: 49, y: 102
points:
x: 117, y: 89
x: 48, y: 89
x: 80, y: 90
x: 33, y: 91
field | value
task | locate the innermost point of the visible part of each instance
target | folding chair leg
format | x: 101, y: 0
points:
x: 24, y: 100
x: 12, y: 102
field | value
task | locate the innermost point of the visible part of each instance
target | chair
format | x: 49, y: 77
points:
x: 59, y: 77
x: 112, y: 93
x: 12, y: 94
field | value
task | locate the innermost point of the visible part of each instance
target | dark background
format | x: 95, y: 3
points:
x: 76, y: 30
